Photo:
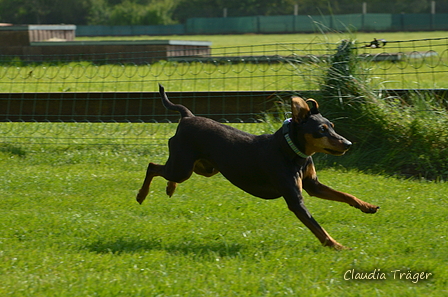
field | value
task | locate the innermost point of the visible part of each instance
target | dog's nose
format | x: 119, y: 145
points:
x: 347, y: 144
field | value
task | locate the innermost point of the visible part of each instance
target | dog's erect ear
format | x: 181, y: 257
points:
x: 315, y: 108
x: 300, y: 110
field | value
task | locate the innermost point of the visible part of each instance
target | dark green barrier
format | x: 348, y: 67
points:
x: 306, y: 23
x: 440, y: 21
x: 275, y: 24
x: 130, y: 30
x: 419, y: 22
x: 236, y: 25
x: 280, y: 24
x: 377, y: 22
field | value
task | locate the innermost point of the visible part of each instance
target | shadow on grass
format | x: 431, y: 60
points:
x: 12, y: 150
x: 131, y: 245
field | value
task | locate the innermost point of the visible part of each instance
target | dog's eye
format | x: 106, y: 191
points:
x: 323, y: 129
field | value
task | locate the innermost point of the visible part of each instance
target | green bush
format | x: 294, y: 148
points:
x: 132, y: 13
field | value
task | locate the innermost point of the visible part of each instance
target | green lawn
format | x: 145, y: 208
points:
x: 192, y: 76
x: 222, y: 41
x: 196, y: 76
x: 70, y: 226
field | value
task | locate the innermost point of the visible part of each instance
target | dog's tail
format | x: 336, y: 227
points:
x: 184, y: 112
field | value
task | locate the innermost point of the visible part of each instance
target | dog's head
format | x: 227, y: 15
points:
x: 317, y: 131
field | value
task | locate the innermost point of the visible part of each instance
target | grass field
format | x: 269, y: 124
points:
x: 193, y: 76
x: 70, y: 226
x: 247, y: 40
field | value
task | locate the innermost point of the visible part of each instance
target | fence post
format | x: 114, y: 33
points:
x: 364, y: 11
x: 295, y: 17
x: 402, y: 21
x: 433, y: 12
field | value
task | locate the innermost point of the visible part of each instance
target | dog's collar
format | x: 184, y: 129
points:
x: 295, y: 149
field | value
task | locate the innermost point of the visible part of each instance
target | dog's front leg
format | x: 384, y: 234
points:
x: 296, y: 205
x: 315, y: 188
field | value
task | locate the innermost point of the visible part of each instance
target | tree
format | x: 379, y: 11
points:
x: 131, y: 12
x: 44, y: 11
x: 148, y: 12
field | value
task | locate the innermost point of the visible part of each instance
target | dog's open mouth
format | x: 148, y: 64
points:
x: 336, y: 153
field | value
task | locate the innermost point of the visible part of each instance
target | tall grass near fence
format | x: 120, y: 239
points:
x: 391, y: 135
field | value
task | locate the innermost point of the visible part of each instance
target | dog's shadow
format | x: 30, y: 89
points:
x: 129, y: 246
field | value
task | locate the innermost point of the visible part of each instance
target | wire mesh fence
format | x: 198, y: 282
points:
x: 270, y: 68
x: 410, y: 64
x: 292, y: 66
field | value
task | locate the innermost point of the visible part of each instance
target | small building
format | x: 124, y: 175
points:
x: 53, y: 43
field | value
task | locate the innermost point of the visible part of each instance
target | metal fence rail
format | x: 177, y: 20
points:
x: 134, y: 107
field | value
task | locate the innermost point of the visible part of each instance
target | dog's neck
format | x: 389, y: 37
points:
x: 295, y: 149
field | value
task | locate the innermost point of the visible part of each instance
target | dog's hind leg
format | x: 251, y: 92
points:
x: 201, y: 167
x: 204, y: 168
x: 177, y: 169
x: 152, y: 171
x: 164, y: 171
x: 170, y: 188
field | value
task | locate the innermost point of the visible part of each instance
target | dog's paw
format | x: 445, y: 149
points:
x: 370, y: 209
x: 341, y: 247
x: 141, y: 197
x: 367, y: 208
x: 170, y: 188
x: 336, y: 246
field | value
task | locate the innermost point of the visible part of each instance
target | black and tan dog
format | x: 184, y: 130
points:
x: 266, y: 166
